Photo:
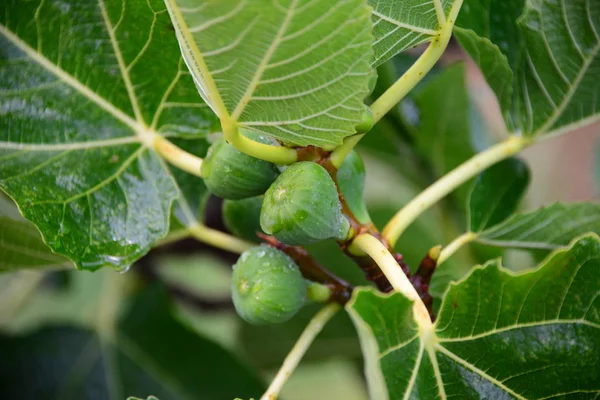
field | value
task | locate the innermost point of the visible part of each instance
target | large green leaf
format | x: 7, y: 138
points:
x: 150, y: 353
x: 21, y: 245
x: 534, y: 335
x: 297, y: 70
x: 547, y: 228
x: 497, y: 193
x: 552, y: 53
x: 86, y: 86
x: 399, y: 25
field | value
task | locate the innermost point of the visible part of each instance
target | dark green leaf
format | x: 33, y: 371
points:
x: 497, y: 193
x: 552, y: 52
x: 150, y: 353
x: 86, y: 88
x: 534, y: 335
x: 545, y: 229
x: 296, y: 71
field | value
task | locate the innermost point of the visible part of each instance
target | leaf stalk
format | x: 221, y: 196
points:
x: 292, y: 360
x: 455, y: 245
x: 449, y: 182
x: 419, y: 69
x: 177, y: 156
x: 275, y: 154
x: 387, y: 262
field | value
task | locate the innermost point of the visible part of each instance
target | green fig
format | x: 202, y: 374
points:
x: 351, y: 181
x: 231, y: 174
x: 302, y: 207
x: 267, y: 286
x: 242, y: 217
x: 366, y: 122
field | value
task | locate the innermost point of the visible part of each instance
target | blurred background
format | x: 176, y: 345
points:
x: 171, y: 326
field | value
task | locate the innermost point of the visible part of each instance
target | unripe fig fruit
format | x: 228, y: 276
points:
x: 231, y: 174
x: 302, y: 207
x: 366, y: 122
x: 351, y: 181
x: 242, y: 217
x: 267, y: 286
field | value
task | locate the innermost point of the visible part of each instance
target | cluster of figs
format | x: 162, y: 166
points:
x: 297, y: 204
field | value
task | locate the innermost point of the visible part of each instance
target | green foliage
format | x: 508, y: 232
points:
x: 97, y: 97
x: 231, y: 174
x: 302, y: 206
x: 77, y: 118
x: 246, y: 74
x: 267, y: 286
x: 543, y: 68
x: 492, y: 339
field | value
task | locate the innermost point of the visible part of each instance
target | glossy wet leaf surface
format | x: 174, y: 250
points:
x: 86, y: 84
x: 21, y: 245
x: 498, y: 335
x: 297, y: 70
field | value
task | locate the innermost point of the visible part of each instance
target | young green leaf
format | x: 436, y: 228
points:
x: 547, y: 228
x: 497, y: 193
x: 498, y: 335
x: 151, y: 352
x: 80, y: 117
x: 400, y: 25
x: 295, y: 70
x: 21, y: 245
x: 552, y: 52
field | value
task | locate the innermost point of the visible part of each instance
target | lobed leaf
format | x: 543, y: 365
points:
x: 86, y: 87
x: 499, y: 335
x: 297, y: 70
x: 552, y: 53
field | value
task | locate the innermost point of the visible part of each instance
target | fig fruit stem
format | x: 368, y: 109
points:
x: 370, y: 245
x: 291, y: 361
x: 218, y: 239
x: 446, y: 184
x: 276, y: 154
x: 339, y: 154
x: 419, y: 69
x: 455, y: 245
x: 177, y: 156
